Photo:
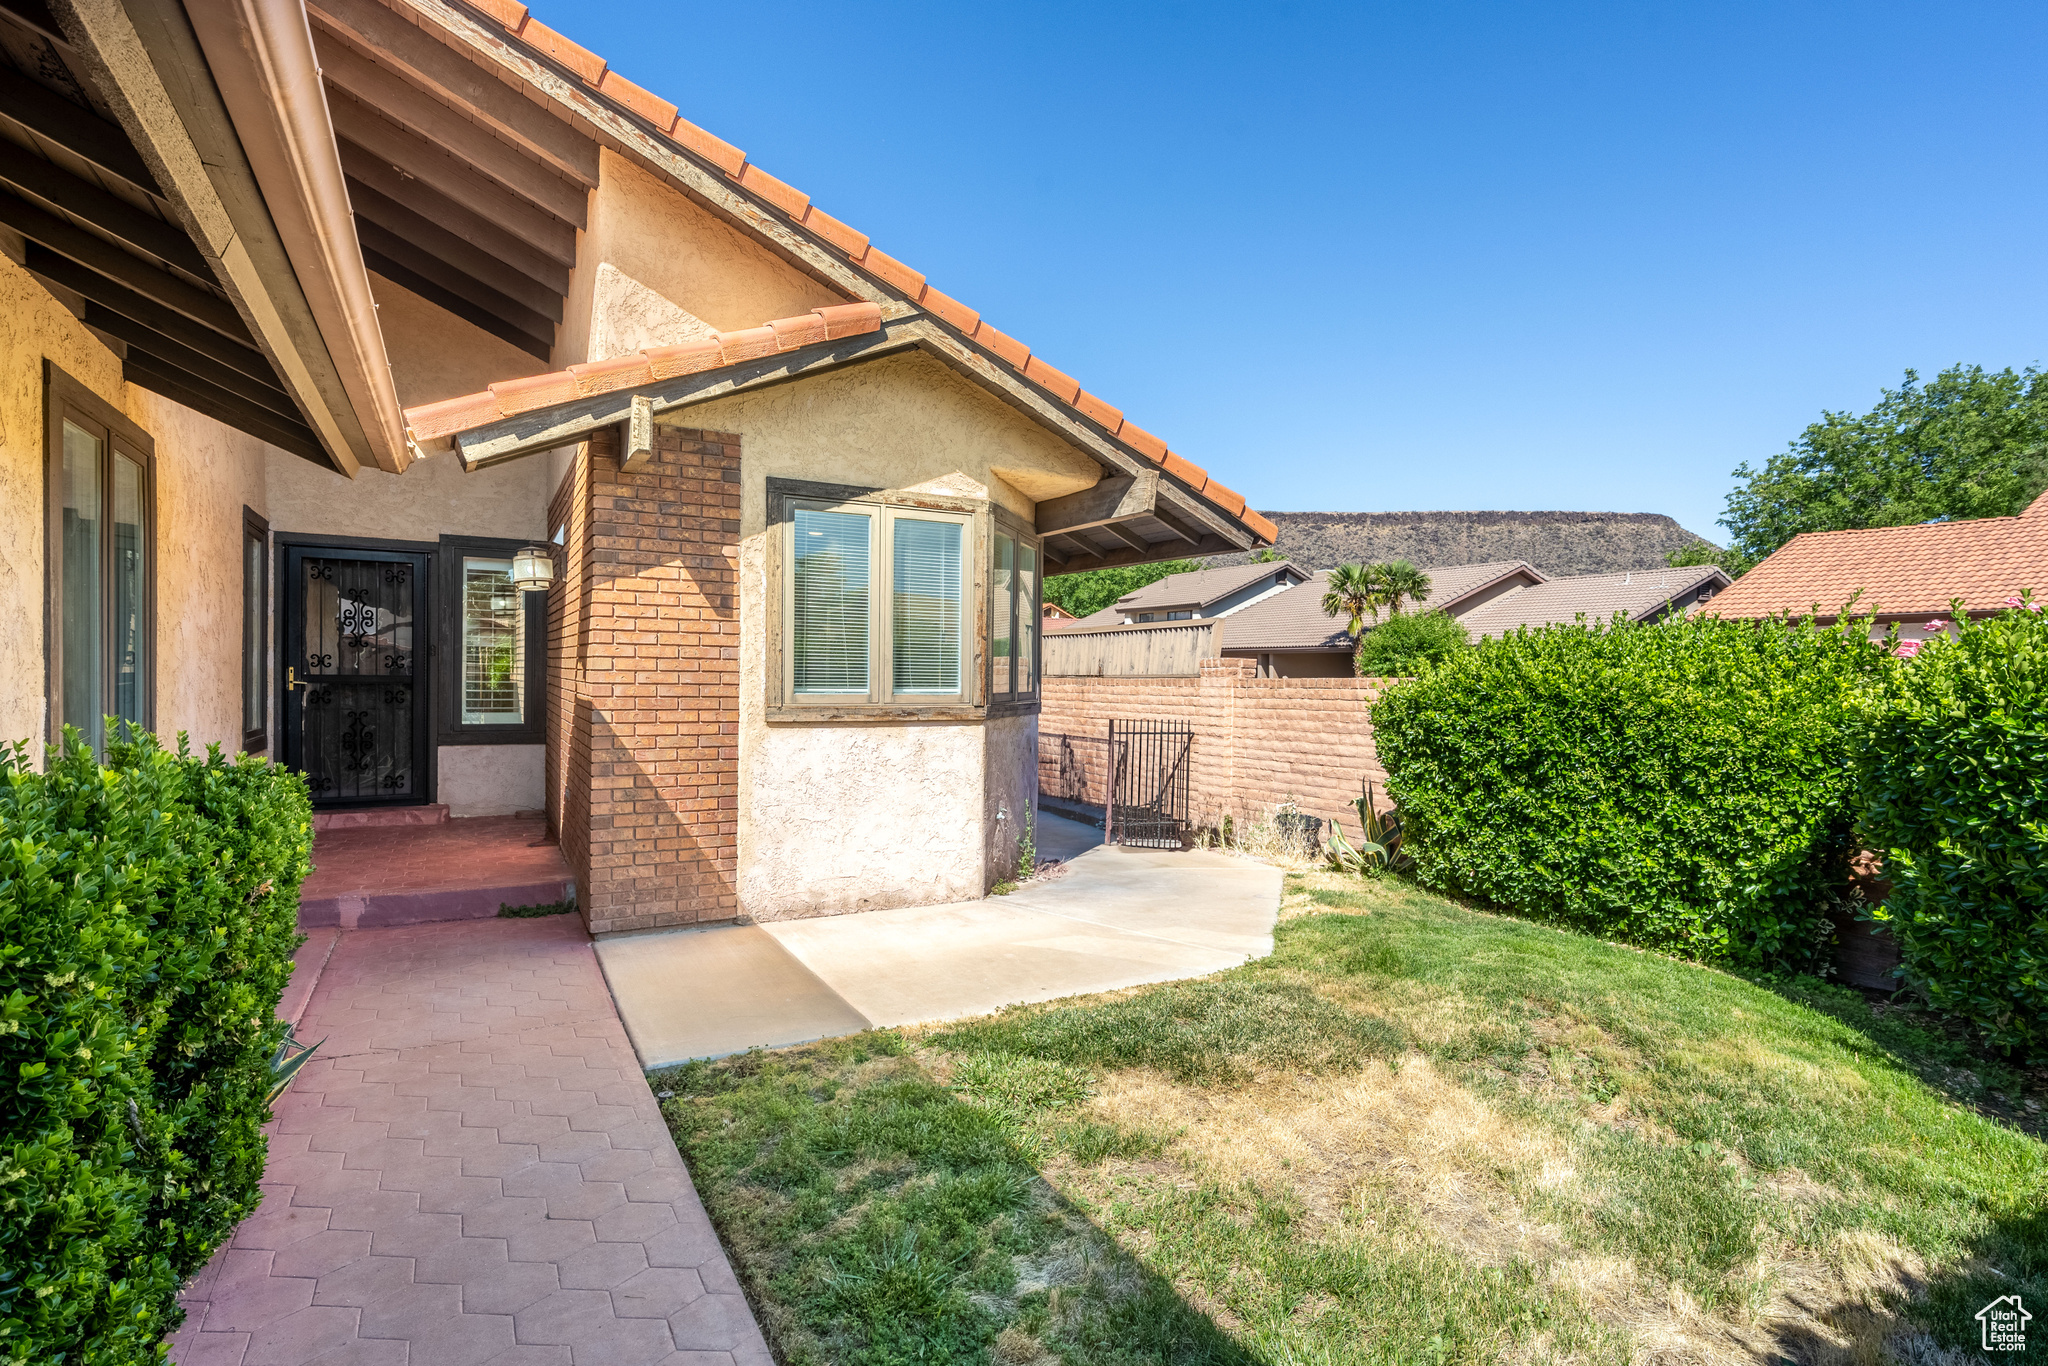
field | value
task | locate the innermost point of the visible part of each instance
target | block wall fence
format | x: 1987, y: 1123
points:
x: 643, y: 682
x: 1258, y: 741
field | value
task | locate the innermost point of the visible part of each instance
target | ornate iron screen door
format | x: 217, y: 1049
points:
x: 1149, y: 765
x: 355, y: 710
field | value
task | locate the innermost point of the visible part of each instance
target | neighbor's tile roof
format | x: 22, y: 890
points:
x: 594, y: 72
x: 1200, y: 587
x: 1901, y: 570
x: 1594, y: 597
x: 1294, y: 620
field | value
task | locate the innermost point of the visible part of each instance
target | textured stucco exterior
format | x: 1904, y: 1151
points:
x: 205, y: 474
x: 849, y: 817
x: 491, y: 780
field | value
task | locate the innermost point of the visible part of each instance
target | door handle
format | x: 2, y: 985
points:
x: 292, y: 680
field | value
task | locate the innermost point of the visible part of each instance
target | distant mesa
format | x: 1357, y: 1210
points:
x: 1558, y: 543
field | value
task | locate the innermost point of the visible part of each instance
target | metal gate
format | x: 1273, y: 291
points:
x: 1148, y: 785
x: 354, y: 720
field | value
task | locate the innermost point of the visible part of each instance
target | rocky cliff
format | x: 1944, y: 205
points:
x: 1558, y: 543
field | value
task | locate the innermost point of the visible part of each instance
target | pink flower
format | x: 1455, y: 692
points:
x: 1907, y: 649
x: 2013, y: 602
x: 1936, y: 625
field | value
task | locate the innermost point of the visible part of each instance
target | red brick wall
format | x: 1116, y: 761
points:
x: 643, y: 686
x: 1258, y: 741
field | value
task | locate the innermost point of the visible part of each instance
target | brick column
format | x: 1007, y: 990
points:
x: 648, y: 707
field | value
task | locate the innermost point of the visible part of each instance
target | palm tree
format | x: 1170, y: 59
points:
x: 1354, y: 591
x: 1399, y: 579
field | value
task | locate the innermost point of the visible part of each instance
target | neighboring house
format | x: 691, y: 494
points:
x: 1292, y: 637
x: 1901, y: 575
x: 1198, y: 595
x: 1052, y: 611
x: 1639, y: 596
x: 331, y: 331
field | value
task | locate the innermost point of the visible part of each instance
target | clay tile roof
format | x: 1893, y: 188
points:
x: 1900, y: 570
x: 1635, y: 594
x: 593, y: 72
x: 430, y: 422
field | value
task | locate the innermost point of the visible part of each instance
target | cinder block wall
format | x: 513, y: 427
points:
x: 643, y: 686
x: 1258, y: 741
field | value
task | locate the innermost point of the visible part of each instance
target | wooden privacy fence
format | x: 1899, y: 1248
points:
x: 1173, y: 649
x: 1257, y: 741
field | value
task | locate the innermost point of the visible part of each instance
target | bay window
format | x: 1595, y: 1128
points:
x: 887, y: 606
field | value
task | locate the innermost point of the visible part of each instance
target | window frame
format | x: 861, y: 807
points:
x: 256, y: 528
x: 65, y: 397
x: 783, y: 703
x: 446, y: 606
x: 1009, y: 701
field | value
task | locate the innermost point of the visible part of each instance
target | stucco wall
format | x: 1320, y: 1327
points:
x: 205, y: 473
x: 491, y: 780
x: 434, y: 355
x: 852, y: 817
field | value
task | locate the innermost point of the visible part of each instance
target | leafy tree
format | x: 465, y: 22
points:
x: 1969, y: 443
x: 1270, y: 554
x: 1399, y: 579
x: 1408, y: 644
x: 1096, y: 589
x: 1699, y: 552
x: 1354, y: 592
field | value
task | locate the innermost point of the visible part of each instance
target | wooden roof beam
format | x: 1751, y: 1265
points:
x: 1114, y: 498
x: 476, y: 303
x: 47, y: 230
x: 459, y: 252
x: 33, y: 176
x: 79, y: 131
x: 396, y: 187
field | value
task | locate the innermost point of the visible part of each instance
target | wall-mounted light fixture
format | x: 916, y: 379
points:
x: 533, y: 568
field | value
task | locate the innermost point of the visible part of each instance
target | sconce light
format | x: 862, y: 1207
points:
x: 533, y: 568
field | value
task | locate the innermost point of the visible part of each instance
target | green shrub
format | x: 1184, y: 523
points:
x: 1954, y: 789
x: 1683, y: 786
x: 1408, y: 644
x: 148, y: 914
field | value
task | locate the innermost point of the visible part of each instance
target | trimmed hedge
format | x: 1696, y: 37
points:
x: 1682, y: 786
x: 148, y: 914
x: 1954, y: 790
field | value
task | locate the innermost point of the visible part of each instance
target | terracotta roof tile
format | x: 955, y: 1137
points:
x: 710, y: 146
x: 1261, y: 524
x: 588, y: 66
x: 1142, y: 441
x: 645, y: 103
x: 1004, y: 345
x: 891, y: 271
x: 836, y: 233
x: 593, y: 71
x: 1059, y: 384
x: 1230, y: 500
x: 1900, y: 570
x: 604, y: 376
x: 508, y: 398
x: 785, y: 197
x: 1093, y: 407
x: 506, y: 12
x: 948, y: 309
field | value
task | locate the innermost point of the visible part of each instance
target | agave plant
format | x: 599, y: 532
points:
x: 291, y: 1055
x: 1379, y: 847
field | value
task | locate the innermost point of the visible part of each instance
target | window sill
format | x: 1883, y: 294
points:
x: 779, y: 715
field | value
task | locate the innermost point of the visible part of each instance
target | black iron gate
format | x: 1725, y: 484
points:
x: 354, y: 706
x: 1149, y: 764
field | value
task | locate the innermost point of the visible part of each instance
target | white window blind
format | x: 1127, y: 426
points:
x: 1003, y: 620
x: 1027, y: 617
x: 926, y: 604
x: 829, y: 613
x: 493, y: 645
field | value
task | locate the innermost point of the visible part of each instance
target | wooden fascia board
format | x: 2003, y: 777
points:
x: 149, y: 68
x: 1118, y: 497
x: 1159, y: 550
x: 566, y: 423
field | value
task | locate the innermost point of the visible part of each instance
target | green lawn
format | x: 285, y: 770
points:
x: 1416, y: 1133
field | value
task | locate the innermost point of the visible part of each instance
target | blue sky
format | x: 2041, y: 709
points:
x: 1374, y: 258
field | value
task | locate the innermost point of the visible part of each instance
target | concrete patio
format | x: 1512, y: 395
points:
x: 1116, y: 918
x: 472, y: 1169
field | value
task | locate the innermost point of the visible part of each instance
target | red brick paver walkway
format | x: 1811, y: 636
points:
x: 472, y: 1170
x: 406, y: 874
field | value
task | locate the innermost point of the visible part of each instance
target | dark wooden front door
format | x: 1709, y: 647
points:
x: 355, y: 704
